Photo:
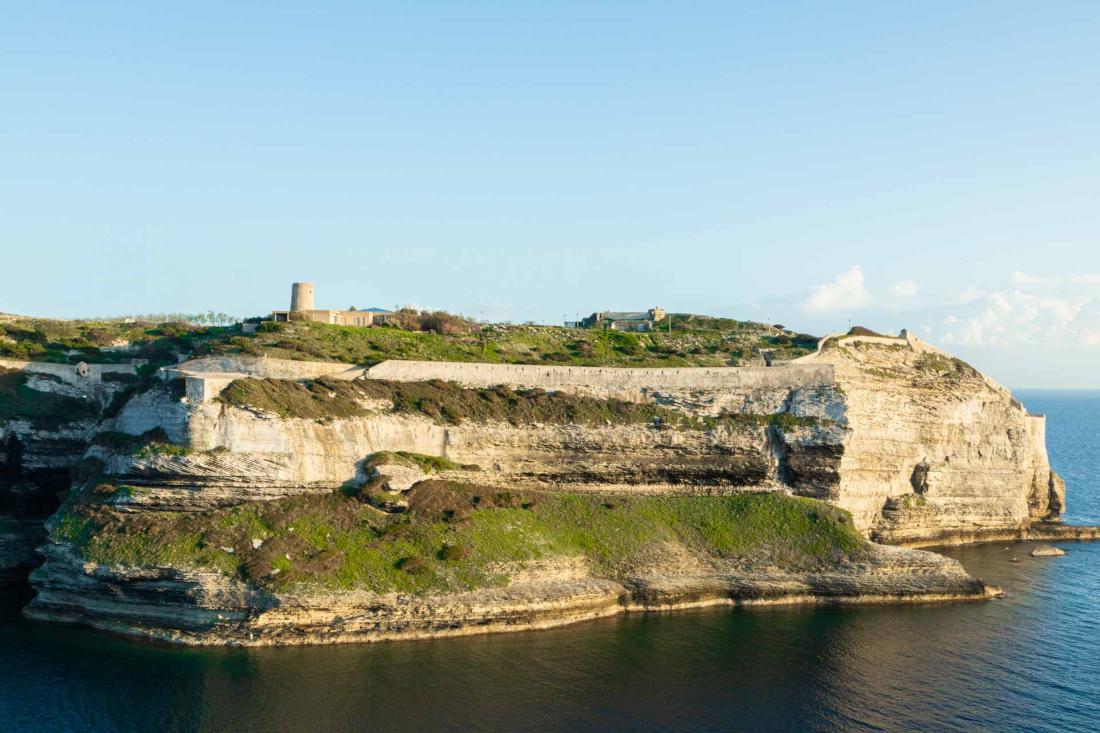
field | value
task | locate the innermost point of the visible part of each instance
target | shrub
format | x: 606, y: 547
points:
x: 454, y: 553
x: 440, y: 322
x: 861, y: 331
x: 414, y: 565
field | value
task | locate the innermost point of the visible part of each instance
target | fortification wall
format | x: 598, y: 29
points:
x: 611, y: 378
x: 264, y: 368
x: 206, y: 378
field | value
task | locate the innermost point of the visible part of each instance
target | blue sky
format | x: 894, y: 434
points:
x: 932, y: 166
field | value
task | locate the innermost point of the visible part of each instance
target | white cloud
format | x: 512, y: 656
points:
x: 1019, y: 318
x: 967, y: 296
x: 1022, y: 279
x: 904, y: 289
x: 845, y: 291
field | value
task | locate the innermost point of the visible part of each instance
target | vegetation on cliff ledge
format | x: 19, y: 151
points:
x: 448, y: 403
x: 153, y: 442
x: 459, y: 537
x: 699, y: 341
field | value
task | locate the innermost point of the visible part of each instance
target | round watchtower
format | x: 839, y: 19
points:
x: 301, y: 297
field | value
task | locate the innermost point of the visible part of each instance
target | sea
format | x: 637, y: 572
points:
x: 1027, y: 662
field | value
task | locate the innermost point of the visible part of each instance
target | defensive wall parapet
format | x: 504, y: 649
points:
x: 206, y: 378
x: 265, y: 368
x: 612, y: 378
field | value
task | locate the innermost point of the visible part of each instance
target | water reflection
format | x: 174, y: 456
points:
x: 1029, y: 661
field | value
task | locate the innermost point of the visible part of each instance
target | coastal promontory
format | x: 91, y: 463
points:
x: 299, y: 482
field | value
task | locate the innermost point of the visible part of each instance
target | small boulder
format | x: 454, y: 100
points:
x: 257, y: 543
x: 1047, y: 551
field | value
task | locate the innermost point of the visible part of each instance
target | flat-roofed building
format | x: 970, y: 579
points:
x: 625, y: 320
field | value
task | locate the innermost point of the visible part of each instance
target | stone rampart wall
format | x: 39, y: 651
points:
x: 264, y: 368
x: 611, y: 378
x: 206, y: 378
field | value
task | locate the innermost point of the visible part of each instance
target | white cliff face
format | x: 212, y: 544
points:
x: 936, y: 451
x: 237, y: 454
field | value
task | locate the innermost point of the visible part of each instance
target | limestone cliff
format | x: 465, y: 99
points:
x: 936, y: 451
x: 779, y: 436
x: 919, y: 447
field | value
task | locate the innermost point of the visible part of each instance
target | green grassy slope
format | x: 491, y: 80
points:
x: 457, y: 537
x: 693, y: 341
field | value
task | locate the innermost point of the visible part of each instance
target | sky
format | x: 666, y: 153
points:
x: 931, y: 166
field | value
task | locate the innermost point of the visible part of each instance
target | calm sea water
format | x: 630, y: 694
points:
x: 1029, y: 662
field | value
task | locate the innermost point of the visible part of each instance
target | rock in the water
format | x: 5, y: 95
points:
x: 1047, y: 551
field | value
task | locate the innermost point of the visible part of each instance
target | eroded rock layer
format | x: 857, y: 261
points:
x: 195, y: 607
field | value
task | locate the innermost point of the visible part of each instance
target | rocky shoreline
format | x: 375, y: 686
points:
x: 1039, y: 531
x: 200, y: 609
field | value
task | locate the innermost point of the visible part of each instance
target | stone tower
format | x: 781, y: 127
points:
x: 301, y: 297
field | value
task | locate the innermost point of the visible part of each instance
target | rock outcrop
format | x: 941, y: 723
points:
x: 936, y: 452
x: 201, y: 607
x: 919, y: 447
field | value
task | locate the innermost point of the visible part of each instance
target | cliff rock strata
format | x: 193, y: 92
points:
x: 200, y: 607
x: 936, y: 451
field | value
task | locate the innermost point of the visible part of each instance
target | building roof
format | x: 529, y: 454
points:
x: 623, y: 316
